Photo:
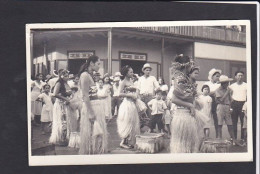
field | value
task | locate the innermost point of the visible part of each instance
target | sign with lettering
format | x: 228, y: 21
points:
x: 133, y: 56
x: 80, y: 54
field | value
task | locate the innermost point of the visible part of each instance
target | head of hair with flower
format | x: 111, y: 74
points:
x: 182, y: 62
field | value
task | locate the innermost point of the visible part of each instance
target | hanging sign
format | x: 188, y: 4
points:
x: 80, y: 54
x: 133, y: 56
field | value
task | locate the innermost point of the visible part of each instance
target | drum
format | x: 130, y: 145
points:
x: 215, y: 146
x: 149, y: 142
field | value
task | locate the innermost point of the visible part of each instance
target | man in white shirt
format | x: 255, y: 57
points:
x: 239, y: 93
x: 146, y: 86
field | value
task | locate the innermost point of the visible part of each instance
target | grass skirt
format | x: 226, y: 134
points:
x: 73, y: 127
x: 184, y: 129
x: 59, y: 124
x: 93, y: 143
x: 128, y: 125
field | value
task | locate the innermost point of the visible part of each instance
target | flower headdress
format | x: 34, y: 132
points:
x: 177, y: 65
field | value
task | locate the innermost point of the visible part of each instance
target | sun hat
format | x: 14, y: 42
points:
x: 118, y: 74
x: 147, y: 65
x: 71, y: 76
x: 212, y: 72
x: 48, y: 76
x: 116, y: 79
x: 224, y: 78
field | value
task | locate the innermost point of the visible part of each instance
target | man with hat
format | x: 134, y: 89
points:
x: 146, y: 86
x: 223, y: 100
x: 116, y: 100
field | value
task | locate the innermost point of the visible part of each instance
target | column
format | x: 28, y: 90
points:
x: 109, y: 51
x: 162, y: 58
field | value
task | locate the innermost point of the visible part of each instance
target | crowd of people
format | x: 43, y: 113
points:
x: 78, y: 108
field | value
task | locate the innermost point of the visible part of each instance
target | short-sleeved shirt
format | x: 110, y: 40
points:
x: 184, y: 89
x: 239, y: 91
x: 158, y: 106
x: 47, y: 100
x: 147, y: 85
x: 116, y: 90
x: 220, y: 93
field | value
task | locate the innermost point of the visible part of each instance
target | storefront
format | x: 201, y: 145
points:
x: 69, y: 49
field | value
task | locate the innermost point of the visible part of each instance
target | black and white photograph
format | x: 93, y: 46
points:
x: 139, y: 92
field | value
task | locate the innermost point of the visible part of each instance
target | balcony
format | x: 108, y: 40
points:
x: 200, y: 32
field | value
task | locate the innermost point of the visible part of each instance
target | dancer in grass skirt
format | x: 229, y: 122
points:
x: 59, y: 124
x: 93, y: 128
x: 184, y: 129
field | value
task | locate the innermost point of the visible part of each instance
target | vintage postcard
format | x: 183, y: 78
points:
x: 139, y: 92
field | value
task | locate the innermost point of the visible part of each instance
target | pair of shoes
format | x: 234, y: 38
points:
x: 131, y: 146
x: 124, y: 146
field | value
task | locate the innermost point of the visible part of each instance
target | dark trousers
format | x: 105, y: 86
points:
x: 237, y: 112
x: 214, y: 114
x: 146, y: 99
x: 156, y: 119
x: 116, y: 101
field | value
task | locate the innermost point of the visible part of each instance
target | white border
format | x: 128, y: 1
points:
x: 138, y: 158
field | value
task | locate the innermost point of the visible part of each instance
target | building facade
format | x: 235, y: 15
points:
x: 211, y: 47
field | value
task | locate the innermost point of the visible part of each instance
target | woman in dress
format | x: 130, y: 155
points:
x: 108, y: 100
x: 213, y: 84
x: 128, y: 119
x: 93, y: 129
x: 184, y: 129
x: 61, y: 92
x: 46, y: 114
x: 36, y: 108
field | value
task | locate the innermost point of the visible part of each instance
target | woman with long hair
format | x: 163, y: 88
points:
x: 36, y: 106
x: 184, y: 129
x: 128, y: 125
x: 61, y: 92
x: 93, y: 129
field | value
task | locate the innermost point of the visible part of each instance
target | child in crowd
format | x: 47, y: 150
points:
x: 73, y: 118
x: 244, y: 109
x: 102, y: 93
x: 47, y: 109
x: 109, y: 89
x: 158, y: 108
x: 205, y: 102
x: 167, y: 117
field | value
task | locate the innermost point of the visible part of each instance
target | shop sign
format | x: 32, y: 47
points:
x: 133, y: 56
x: 80, y: 55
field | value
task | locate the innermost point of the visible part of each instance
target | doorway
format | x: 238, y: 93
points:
x: 135, y: 64
x: 75, y: 64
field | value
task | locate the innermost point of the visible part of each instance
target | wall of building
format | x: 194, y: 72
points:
x: 227, y: 58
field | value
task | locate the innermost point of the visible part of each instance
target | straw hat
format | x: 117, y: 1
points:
x: 147, y: 65
x: 71, y: 76
x: 224, y: 78
x: 116, y: 79
x: 48, y: 76
x: 212, y: 72
x: 118, y: 74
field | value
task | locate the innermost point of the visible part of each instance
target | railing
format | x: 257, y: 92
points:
x: 202, y: 32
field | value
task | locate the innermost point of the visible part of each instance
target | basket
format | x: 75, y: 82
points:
x: 214, y: 146
x: 149, y: 143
